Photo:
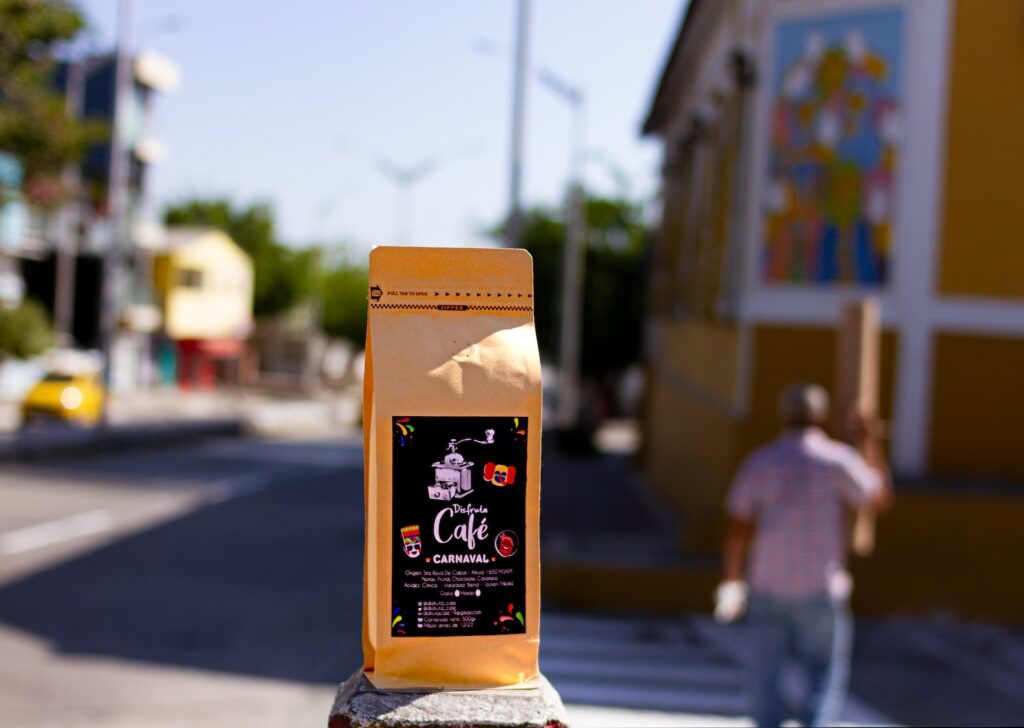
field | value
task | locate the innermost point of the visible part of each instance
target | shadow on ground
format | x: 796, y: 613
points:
x: 270, y: 585
x: 266, y: 585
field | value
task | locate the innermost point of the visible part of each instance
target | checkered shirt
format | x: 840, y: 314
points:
x: 795, y: 490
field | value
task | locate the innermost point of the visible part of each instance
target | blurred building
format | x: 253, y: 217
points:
x: 12, y: 204
x: 288, y: 350
x: 819, y: 151
x: 61, y: 250
x: 204, y: 283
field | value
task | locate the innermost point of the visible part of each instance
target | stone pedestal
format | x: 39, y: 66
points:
x: 359, y: 704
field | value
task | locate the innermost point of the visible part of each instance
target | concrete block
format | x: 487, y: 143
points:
x: 359, y: 704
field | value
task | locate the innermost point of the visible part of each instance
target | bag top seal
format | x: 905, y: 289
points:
x: 448, y: 307
x: 449, y: 279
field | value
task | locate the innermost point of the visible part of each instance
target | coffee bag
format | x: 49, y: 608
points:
x: 452, y: 424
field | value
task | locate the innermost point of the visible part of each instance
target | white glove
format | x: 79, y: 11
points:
x: 840, y: 584
x: 730, y: 601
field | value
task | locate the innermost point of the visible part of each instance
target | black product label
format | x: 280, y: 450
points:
x: 459, y: 515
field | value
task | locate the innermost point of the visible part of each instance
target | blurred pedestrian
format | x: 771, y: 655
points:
x: 789, y: 507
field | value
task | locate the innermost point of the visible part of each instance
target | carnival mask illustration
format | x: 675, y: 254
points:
x: 500, y: 475
x: 411, y: 543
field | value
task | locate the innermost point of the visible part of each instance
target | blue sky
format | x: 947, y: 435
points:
x: 292, y: 102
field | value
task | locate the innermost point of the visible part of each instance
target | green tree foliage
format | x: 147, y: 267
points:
x: 284, y: 276
x: 24, y: 330
x: 613, y: 306
x: 343, y: 290
x: 34, y: 126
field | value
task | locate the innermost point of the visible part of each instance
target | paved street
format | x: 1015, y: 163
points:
x: 225, y: 588
x: 219, y: 584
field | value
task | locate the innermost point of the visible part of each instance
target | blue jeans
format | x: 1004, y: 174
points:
x: 817, y: 633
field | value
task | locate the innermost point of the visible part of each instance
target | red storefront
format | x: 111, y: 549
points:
x: 201, y: 360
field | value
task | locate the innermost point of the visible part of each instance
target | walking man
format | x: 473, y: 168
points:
x: 789, y: 507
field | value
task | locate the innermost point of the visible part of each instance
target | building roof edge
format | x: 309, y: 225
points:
x: 656, y: 113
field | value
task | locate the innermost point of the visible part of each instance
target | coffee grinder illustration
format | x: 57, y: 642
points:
x: 452, y: 476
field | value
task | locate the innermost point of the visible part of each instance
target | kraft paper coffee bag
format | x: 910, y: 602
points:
x: 452, y: 410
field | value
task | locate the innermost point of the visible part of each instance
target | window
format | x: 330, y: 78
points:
x: 56, y: 377
x: 190, y: 278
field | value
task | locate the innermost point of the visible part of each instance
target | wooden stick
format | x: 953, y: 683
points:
x: 858, y: 364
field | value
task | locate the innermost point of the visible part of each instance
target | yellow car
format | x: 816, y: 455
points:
x: 75, y: 398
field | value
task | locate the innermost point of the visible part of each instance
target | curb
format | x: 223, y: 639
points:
x: 135, y: 436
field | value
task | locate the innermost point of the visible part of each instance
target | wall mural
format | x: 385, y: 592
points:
x: 833, y: 148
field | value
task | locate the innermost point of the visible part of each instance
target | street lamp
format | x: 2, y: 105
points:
x: 404, y: 178
x: 570, y: 333
x: 619, y: 176
x: 67, y: 238
x: 520, y: 67
x: 117, y: 194
x: 514, y: 226
x: 573, y: 261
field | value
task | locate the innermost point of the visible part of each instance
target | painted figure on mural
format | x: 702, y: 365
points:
x: 833, y: 149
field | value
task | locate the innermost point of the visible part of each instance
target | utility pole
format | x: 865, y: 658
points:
x: 571, y: 330
x: 573, y: 260
x: 67, y: 241
x: 405, y: 178
x: 117, y: 193
x: 514, y: 225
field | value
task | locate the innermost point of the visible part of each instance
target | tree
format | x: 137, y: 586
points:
x: 343, y: 290
x: 614, y: 290
x: 24, y: 330
x: 34, y: 126
x: 283, y: 276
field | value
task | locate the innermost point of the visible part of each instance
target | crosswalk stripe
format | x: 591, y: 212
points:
x: 55, y: 532
x: 686, y: 667
x: 587, y: 716
x: 611, y: 626
x: 707, y: 675
x: 630, y: 650
x: 649, y: 665
x: 938, y: 646
x: 680, y: 699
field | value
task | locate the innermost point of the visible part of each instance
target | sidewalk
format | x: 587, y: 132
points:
x: 288, y: 415
x: 608, y: 543
x: 160, y: 416
x: 608, y: 546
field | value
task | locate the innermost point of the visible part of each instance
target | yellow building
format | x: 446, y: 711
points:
x: 816, y: 152
x: 205, y: 284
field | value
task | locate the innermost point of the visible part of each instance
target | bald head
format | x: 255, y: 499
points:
x: 804, y: 405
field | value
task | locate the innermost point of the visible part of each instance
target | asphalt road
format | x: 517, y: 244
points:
x: 220, y: 584
x: 219, y: 580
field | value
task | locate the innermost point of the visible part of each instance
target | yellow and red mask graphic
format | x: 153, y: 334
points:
x: 411, y: 543
x: 500, y: 475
